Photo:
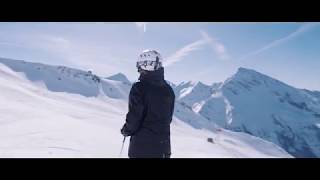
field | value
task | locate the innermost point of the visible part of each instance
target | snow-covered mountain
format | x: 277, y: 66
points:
x: 259, y: 105
x: 119, y: 77
x: 80, y: 114
x: 65, y: 79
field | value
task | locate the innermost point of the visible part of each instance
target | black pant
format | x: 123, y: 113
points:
x: 166, y: 155
x: 153, y: 156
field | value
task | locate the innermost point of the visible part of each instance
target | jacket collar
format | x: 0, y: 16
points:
x: 154, y: 77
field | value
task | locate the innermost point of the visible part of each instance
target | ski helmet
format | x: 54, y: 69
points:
x: 149, y: 60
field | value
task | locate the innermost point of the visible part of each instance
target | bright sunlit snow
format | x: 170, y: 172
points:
x: 37, y: 122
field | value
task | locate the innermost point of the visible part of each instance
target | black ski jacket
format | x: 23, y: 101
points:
x: 151, y: 106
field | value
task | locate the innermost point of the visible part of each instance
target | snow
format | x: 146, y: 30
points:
x: 64, y: 79
x: 38, y: 122
x: 193, y: 92
x: 286, y: 115
x: 254, y: 103
x: 192, y: 143
x: 119, y: 77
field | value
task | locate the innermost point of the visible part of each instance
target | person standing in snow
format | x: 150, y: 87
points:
x: 151, y: 105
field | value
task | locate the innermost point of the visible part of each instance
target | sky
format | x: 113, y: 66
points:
x: 196, y: 51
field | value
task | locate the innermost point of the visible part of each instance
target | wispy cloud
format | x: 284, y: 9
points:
x: 184, y: 51
x: 10, y: 44
x: 82, y: 55
x: 217, y: 46
x: 74, y: 52
x: 301, y: 30
x: 142, y: 25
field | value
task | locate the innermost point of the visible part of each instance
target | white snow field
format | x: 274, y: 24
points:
x: 39, y: 123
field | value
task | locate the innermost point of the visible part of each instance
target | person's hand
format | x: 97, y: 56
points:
x: 124, y: 133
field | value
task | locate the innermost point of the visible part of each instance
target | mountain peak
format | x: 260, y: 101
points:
x: 242, y: 70
x: 248, y: 79
x: 119, y: 77
x: 245, y: 74
x: 245, y: 79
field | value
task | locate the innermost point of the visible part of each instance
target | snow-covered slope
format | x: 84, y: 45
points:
x: 192, y: 92
x: 65, y: 79
x: 265, y: 107
x: 270, y: 109
x: 119, y: 77
x: 37, y: 122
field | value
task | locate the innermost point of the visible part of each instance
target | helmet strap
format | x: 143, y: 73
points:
x: 157, y: 63
x: 139, y: 69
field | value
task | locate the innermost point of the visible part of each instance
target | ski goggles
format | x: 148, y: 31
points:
x: 147, y: 63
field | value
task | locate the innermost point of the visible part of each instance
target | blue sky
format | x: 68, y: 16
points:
x: 207, y: 52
